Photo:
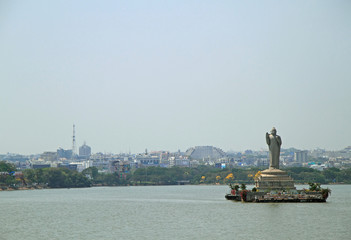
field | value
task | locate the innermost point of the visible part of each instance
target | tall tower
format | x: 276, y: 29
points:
x: 74, y: 142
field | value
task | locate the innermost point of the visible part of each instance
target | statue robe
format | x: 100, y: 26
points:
x: 274, y: 143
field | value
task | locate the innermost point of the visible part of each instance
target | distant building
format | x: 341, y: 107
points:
x: 119, y: 166
x: 260, y: 162
x: 62, y: 153
x: 148, y: 161
x: 194, y: 163
x: 78, y: 166
x: 14, y: 158
x: 220, y: 165
x: 85, y: 151
x: 36, y: 166
x: 300, y: 156
x: 205, y: 152
x: 49, y: 156
x: 68, y: 166
x: 179, y: 162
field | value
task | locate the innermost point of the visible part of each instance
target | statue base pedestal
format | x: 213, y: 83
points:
x: 274, y: 179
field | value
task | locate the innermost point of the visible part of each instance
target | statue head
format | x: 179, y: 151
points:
x: 274, y: 131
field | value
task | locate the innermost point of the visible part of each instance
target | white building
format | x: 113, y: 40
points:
x: 85, y: 151
x: 300, y: 156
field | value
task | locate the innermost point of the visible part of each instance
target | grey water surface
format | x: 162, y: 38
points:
x: 167, y: 212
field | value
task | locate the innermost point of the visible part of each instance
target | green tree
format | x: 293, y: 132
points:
x: 6, y: 176
x: 93, y: 172
x: 7, y: 167
x: 56, y: 178
x: 31, y: 176
x: 243, y: 186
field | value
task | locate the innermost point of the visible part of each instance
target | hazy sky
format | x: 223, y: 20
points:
x: 168, y: 75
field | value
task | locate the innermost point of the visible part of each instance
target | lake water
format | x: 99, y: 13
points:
x: 167, y: 212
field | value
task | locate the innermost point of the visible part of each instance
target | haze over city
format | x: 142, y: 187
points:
x: 168, y: 75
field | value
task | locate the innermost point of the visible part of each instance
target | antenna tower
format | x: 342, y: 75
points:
x: 74, y: 142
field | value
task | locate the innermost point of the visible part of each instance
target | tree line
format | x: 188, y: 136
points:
x: 41, y: 178
x: 65, y: 178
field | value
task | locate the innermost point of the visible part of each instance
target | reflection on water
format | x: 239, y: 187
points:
x: 167, y: 212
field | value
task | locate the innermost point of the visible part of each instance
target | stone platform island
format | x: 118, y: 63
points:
x: 275, y: 185
x: 274, y: 179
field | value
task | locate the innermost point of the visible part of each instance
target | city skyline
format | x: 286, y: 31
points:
x: 148, y: 151
x: 168, y: 75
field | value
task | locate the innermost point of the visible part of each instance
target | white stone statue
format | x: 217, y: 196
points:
x: 274, y: 142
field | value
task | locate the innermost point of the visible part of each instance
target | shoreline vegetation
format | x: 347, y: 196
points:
x: 11, y: 179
